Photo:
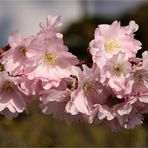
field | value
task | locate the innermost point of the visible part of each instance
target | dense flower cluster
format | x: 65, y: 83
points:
x: 114, y: 90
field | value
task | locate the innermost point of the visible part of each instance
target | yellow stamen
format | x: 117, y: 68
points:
x: 8, y: 86
x: 22, y: 50
x: 89, y: 87
x: 111, y: 46
x: 117, y: 69
x: 49, y: 58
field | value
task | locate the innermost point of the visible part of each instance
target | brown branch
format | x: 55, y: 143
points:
x: 3, y: 49
x: 7, y: 47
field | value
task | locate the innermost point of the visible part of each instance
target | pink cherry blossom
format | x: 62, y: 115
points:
x: 113, y: 90
x: 110, y: 39
x: 115, y: 72
x: 12, y: 100
x: 16, y: 55
x: 88, y: 92
x: 49, y: 61
x: 55, y: 101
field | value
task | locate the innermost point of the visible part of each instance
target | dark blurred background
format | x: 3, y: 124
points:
x: 80, y: 18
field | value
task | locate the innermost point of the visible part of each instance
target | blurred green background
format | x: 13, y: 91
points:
x: 37, y: 129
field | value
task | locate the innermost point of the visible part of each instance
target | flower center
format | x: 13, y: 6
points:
x: 22, y: 50
x: 111, y: 46
x: 49, y: 58
x: 90, y: 87
x: 8, y: 87
x: 117, y: 69
x: 2, y: 67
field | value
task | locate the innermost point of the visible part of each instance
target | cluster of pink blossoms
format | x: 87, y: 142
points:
x: 114, y: 90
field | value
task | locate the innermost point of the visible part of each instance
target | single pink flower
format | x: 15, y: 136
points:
x: 88, y: 92
x: 115, y: 72
x: 111, y: 39
x: 49, y: 61
x: 12, y: 100
x: 14, y: 59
